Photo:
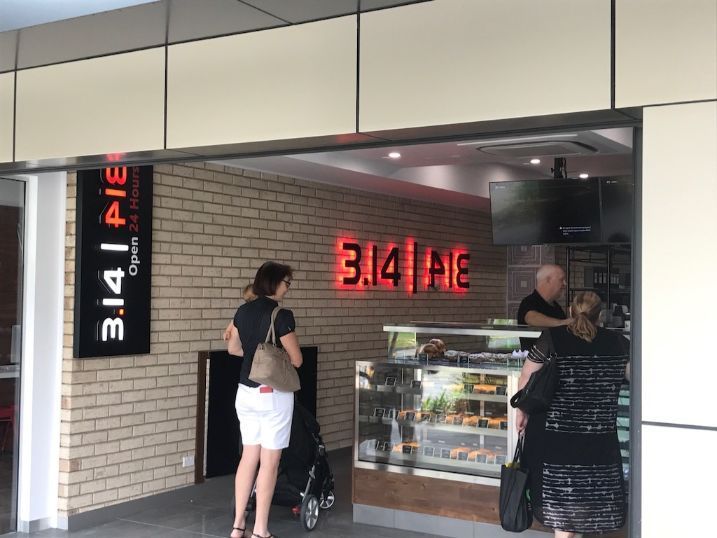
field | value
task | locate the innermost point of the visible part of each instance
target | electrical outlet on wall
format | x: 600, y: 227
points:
x: 188, y: 461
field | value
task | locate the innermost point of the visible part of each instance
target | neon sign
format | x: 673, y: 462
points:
x: 395, y: 266
x: 113, y: 261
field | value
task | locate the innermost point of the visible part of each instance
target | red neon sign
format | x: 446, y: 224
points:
x: 394, y: 266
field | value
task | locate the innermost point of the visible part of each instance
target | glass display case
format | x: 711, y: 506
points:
x: 438, y: 405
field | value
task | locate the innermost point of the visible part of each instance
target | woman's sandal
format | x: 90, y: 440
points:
x: 242, y: 531
x: 255, y: 535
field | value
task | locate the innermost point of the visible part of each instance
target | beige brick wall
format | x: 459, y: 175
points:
x: 127, y: 421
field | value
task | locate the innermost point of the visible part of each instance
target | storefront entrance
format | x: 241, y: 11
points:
x: 12, y: 226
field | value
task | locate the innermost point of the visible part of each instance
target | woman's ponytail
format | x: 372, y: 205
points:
x: 585, y: 311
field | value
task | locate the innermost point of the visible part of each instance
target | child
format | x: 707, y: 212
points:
x: 248, y: 296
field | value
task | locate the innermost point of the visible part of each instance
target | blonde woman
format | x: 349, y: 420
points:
x: 572, y: 451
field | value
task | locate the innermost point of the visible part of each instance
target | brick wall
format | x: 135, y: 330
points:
x: 127, y: 421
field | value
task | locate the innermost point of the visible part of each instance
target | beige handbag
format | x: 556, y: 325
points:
x: 271, y: 365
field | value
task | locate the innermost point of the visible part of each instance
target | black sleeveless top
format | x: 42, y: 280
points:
x: 252, y: 320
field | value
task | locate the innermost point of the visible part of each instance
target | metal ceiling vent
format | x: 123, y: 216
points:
x: 539, y: 149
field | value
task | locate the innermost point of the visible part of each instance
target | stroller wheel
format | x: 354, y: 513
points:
x: 309, y: 512
x: 327, y: 500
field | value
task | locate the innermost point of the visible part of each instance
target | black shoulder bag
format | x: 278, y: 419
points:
x: 513, y: 506
x: 538, y: 392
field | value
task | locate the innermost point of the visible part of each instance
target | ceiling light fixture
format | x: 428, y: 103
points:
x: 534, y: 161
x: 521, y: 139
x: 394, y: 155
x: 583, y: 175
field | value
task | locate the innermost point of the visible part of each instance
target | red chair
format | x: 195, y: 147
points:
x: 7, y: 417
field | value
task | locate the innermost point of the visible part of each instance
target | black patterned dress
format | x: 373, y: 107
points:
x: 572, y: 451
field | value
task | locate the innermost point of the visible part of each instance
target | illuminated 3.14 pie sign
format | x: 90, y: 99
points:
x: 417, y: 268
x: 113, y: 261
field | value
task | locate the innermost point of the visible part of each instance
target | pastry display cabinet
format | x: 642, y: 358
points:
x: 440, y: 412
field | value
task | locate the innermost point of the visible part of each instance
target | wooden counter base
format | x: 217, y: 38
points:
x: 436, y: 497
x: 425, y: 495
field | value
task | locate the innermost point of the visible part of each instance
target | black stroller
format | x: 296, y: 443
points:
x: 305, y: 482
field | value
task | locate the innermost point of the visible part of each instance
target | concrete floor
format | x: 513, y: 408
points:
x: 210, y: 514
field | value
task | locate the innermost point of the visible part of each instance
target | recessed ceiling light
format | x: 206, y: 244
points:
x: 584, y: 176
x: 394, y: 155
x: 534, y: 161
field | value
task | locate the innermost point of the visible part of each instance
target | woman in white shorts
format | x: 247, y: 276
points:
x: 264, y: 413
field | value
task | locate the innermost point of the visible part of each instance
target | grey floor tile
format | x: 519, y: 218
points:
x: 209, y: 514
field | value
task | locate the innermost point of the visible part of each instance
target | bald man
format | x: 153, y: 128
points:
x: 541, y: 308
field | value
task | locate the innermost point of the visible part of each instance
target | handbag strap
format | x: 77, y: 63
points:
x: 271, y: 335
x: 552, y: 354
x: 518, y: 450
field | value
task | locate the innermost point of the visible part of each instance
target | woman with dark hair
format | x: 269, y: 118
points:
x: 571, y: 451
x: 264, y: 413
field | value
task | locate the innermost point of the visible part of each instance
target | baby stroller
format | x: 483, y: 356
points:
x: 305, y: 482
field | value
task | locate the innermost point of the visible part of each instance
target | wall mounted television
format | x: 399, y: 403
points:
x: 545, y: 211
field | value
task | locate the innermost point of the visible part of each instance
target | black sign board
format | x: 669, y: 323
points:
x: 113, y: 261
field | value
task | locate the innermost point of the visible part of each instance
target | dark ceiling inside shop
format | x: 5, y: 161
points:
x: 458, y: 172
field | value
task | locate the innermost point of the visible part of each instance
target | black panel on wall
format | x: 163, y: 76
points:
x: 223, y: 436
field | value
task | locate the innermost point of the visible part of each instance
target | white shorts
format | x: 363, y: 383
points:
x: 264, y: 417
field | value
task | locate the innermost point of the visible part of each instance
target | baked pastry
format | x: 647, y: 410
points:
x: 454, y: 419
x: 399, y: 447
x: 483, y: 389
x: 407, y: 414
x: 459, y: 450
x: 471, y: 421
x: 495, y: 422
x: 479, y: 455
x: 440, y: 345
x: 430, y: 350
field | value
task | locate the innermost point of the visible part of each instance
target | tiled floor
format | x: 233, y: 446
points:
x: 210, y: 514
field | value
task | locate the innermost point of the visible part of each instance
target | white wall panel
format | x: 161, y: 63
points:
x: 455, y: 61
x: 283, y: 83
x: 666, y: 51
x: 104, y: 105
x: 679, y: 286
x: 677, y: 481
x: 7, y: 81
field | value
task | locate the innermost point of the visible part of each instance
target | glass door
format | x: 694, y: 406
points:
x: 12, y: 235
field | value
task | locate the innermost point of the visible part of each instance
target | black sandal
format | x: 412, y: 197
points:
x: 255, y: 535
x: 242, y: 531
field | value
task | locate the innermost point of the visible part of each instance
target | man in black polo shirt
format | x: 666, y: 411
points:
x: 540, y: 308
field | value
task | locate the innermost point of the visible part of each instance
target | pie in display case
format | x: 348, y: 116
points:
x: 439, y: 406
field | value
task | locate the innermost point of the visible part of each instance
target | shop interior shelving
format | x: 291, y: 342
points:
x: 604, y: 269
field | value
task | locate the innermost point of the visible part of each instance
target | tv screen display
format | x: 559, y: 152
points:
x: 545, y: 211
x: 617, y: 210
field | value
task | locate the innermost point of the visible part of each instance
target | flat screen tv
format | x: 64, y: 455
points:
x: 616, y: 200
x: 550, y: 211
x: 545, y: 211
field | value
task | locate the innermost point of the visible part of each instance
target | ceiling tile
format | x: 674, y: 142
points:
x: 369, y: 5
x: 95, y: 35
x: 190, y: 19
x: 305, y: 10
x: 8, y: 41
